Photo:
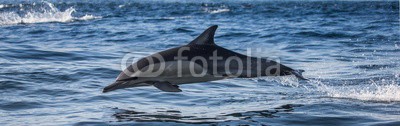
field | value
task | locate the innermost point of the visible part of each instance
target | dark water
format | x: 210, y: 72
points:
x: 57, y: 56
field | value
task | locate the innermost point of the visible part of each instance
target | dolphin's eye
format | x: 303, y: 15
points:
x: 133, y: 78
x: 129, y: 79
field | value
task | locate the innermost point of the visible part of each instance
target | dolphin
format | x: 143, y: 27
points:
x: 199, y: 61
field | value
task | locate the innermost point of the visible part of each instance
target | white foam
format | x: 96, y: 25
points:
x: 291, y: 81
x: 386, y: 91
x: 47, y: 15
x: 221, y: 10
x: 89, y: 17
x: 2, y: 6
x: 9, y: 18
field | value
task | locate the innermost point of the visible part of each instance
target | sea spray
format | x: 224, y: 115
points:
x: 382, y: 90
x: 45, y: 12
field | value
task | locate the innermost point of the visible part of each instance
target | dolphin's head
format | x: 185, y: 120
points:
x: 131, y: 77
x: 125, y: 81
x: 116, y: 85
x: 128, y: 83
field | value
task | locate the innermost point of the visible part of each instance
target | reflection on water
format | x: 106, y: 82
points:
x: 123, y: 115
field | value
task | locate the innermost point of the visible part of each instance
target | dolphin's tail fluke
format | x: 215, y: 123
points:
x: 298, y: 74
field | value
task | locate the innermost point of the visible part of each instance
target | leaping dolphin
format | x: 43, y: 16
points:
x: 199, y: 61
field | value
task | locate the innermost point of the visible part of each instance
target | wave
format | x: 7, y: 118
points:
x: 326, y: 35
x: 47, y: 13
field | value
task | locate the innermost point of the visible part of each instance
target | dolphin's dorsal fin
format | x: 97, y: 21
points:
x: 207, y: 37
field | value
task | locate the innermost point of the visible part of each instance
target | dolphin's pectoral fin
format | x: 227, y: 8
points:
x: 167, y: 87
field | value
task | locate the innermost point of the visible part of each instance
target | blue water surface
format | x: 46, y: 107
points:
x: 56, y: 56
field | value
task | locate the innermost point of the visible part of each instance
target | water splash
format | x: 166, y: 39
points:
x: 290, y: 81
x: 215, y: 10
x: 3, y: 6
x: 378, y: 91
x: 48, y: 13
x: 218, y: 11
x: 88, y: 17
x: 382, y: 90
x: 121, y: 6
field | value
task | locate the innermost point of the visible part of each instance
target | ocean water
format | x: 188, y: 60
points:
x: 56, y: 56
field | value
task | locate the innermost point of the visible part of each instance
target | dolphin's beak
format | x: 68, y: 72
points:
x: 114, y: 86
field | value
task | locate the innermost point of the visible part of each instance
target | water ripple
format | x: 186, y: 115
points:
x: 55, y: 58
